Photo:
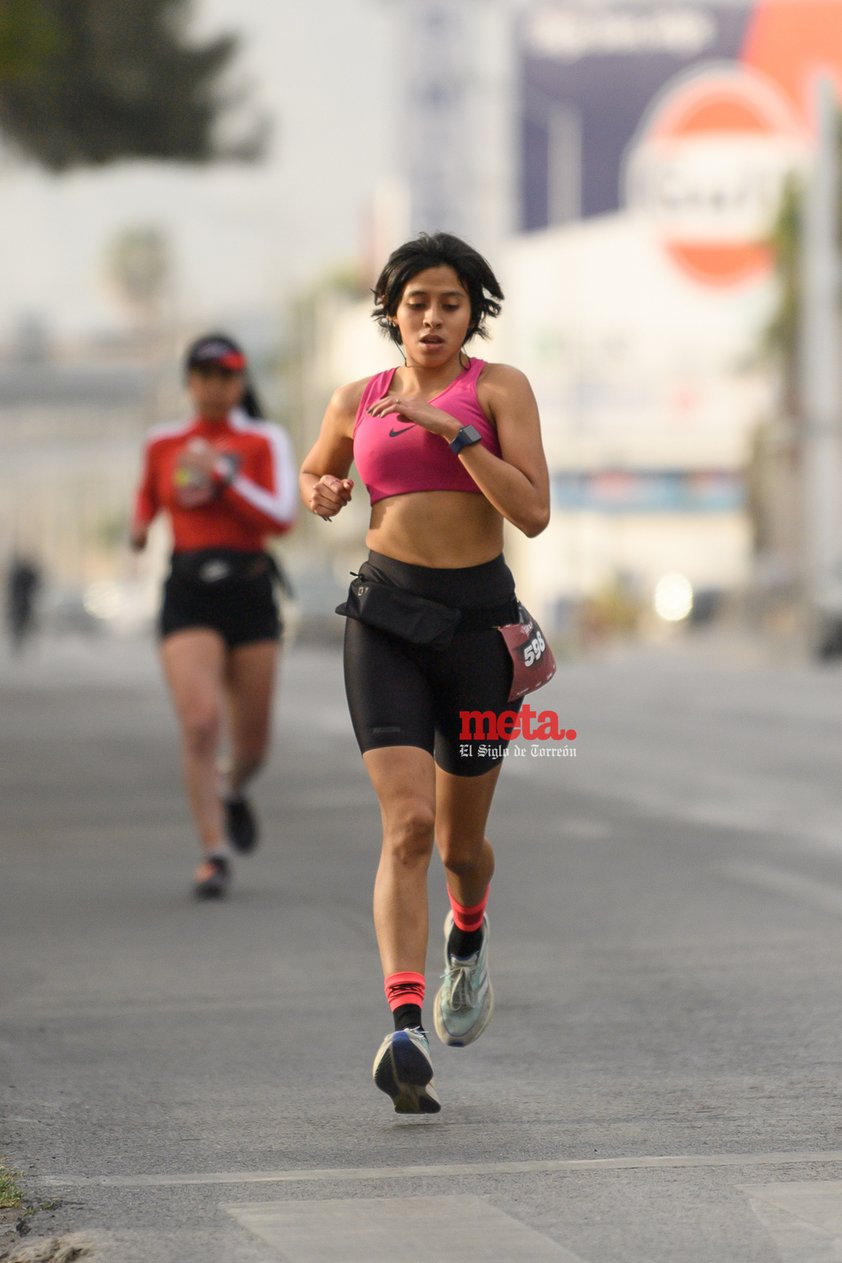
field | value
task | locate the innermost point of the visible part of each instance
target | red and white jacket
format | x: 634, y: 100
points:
x: 255, y: 477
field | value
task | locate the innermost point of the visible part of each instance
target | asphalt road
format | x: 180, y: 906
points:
x: 661, y: 1080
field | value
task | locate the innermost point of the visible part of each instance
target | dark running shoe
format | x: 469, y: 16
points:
x: 212, y: 878
x: 403, y: 1070
x: 240, y: 825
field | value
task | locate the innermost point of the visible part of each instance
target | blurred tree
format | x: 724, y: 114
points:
x: 773, y: 475
x: 91, y: 81
x: 780, y: 337
x: 138, y: 264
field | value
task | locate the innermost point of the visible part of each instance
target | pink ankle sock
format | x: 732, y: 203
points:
x: 469, y: 918
x: 404, y: 988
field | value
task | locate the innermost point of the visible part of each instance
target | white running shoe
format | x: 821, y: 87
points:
x: 403, y: 1070
x: 465, y: 1001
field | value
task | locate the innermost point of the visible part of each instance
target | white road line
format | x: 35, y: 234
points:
x: 816, y: 1202
x: 366, y: 1230
x: 447, y: 1171
x: 803, y: 1219
x: 791, y: 885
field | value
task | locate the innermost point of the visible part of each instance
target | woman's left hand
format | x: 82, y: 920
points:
x: 417, y: 411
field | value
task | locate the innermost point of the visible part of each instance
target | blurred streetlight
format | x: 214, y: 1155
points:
x: 673, y: 598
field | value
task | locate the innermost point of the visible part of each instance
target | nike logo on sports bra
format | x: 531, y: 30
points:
x: 393, y: 434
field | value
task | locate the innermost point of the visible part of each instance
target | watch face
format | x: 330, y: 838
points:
x: 466, y: 437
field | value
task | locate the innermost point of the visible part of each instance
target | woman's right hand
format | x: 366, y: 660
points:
x: 192, y: 478
x: 328, y: 495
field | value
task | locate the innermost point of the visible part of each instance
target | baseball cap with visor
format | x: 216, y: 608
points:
x: 215, y: 351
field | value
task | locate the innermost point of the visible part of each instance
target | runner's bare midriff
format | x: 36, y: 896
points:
x: 443, y: 529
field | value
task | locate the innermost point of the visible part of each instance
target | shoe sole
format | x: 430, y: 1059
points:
x: 404, y: 1074
x: 213, y: 887
x: 461, y: 1041
x: 239, y: 847
x: 210, y: 892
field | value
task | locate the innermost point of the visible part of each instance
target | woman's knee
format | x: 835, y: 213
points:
x: 201, y: 730
x: 408, y: 832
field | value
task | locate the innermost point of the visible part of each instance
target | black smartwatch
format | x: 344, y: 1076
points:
x: 466, y: 437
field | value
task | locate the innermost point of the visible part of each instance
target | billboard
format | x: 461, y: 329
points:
x: 655, y: 140
x: 687, y: 115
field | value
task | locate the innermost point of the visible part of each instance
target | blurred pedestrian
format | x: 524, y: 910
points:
x: 226, y: 479
x: 23, y: 582
x: 448, y: 447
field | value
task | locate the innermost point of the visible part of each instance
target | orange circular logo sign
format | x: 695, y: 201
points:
x: 707, y: 168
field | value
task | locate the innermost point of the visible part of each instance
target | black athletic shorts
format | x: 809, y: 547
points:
x: 230, y: 592
x: 403, y: 694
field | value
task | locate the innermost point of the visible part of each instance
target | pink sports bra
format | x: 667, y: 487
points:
x: 394, y: 456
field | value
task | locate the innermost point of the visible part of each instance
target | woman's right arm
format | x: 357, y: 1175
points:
x: 145, y: 506
x: 324, y: 482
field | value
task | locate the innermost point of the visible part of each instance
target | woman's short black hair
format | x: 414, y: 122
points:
x: 433, y: 250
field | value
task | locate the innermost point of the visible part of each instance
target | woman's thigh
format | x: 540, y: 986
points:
x: 472, y: 683
x: 194, y: 662
x: 390, y: 698
x: 404, y: 780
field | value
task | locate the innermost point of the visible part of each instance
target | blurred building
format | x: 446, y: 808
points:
x: 455, y: 122
x: 655, y: 139
x: 68, y: 430
x: 71, y: 426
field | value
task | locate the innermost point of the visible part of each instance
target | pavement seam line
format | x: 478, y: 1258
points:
x: 447, y: 1171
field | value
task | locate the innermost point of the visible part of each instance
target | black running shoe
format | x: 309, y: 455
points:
x: 240, y: 825
x: 212, y: 878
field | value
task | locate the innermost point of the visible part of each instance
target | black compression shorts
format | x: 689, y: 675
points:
x: 404, y: 694
x: 229, y: 592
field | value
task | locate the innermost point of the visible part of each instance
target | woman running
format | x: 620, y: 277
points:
x: 448, y: 447
x: 226, y: 478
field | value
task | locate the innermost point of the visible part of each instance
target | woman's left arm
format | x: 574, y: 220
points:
x: 268, y: 501
x: 517, y: 482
